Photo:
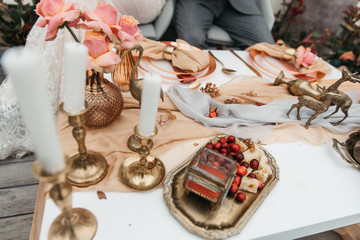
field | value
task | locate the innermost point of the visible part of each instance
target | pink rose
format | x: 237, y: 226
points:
x: 347, y: 56
x: 129, y: 33
x: 100, y: 56
x: 304, y: 57
x: 103, y: 19
x: 55, y: 13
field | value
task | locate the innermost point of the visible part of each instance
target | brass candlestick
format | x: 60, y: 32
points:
x: 134, y: 144
x: 72, y: 223
x: 85, y: 168
x: 142, y: 171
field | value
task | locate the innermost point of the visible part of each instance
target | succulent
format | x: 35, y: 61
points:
x: 16, y: 22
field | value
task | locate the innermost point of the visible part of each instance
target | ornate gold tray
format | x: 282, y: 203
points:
x: 197, y: 215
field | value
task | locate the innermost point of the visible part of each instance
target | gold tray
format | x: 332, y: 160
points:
x: 196, y: 214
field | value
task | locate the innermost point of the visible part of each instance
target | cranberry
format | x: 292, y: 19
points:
x: 239, y: 156
x: 260, y: 184
x: 254, y: 164
x: 233, y: 189
x: 241, y: 171
x: 224, y: 145
x: 216, y: 150
x: 230, y: 139
x: 237, y: 180
x: 222, y: 140
x: 224, y: 150
x: 213, y: 114
x: 245, y: 164
x: 235, y: 147
x: 217, y: 145
x: 241, y: 196
x: 252, y: 175
x: 210, y: 145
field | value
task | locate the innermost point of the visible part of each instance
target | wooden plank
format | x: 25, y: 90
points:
x: 27, y: 158
x: 16, y: 174
x: 17, y: 200
x: 15, y: 228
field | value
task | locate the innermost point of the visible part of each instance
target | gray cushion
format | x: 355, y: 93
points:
x: 148, y: 30
x: 218, y: 35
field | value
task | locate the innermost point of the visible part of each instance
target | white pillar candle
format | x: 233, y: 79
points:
x: 149, y: 103
x: 75, y: 57
x: 23, y: 68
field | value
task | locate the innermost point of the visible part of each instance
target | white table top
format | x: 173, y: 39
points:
x: 315, y: 193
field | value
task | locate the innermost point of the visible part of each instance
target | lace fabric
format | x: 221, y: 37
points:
x: 14, y: 138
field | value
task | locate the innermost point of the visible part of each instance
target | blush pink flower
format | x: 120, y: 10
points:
x: 55, y: 13
x: 304, y: 57
x: 100, y: 56
x: 103, y: 19
x: 347, y: 56
x: 129, y: 33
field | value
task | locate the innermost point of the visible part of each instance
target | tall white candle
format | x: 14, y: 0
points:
x: 23, y: 68
x: 149, y: 103
x: 75, y: 56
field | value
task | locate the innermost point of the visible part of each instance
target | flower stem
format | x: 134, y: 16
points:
x: 71, y: 31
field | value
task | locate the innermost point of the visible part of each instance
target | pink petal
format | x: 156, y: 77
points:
x: 99, y: 26
x: 90, y: 16
x: 108, y: 61
x: 107, y: 13
x: 51, y: 7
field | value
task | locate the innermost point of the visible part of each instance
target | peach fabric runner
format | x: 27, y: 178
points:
x: 111, y: 141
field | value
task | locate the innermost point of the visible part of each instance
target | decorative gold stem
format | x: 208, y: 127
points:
x: 79, y: 135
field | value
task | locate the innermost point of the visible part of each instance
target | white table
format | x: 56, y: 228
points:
x: 317, y: 191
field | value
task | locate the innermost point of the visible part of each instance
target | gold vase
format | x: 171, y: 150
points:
x: 122, y: 72
x: 104, y: 99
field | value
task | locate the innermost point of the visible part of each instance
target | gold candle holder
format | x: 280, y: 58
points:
x: 134, y: 144
x: 142, y: 171
x: 72, y: 223
x: 85, y: 168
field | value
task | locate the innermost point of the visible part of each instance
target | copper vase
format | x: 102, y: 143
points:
x: 104, y: 99
x: 122, y: 73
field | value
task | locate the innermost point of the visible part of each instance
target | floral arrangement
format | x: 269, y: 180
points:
x: 16, y: 22
x: 105, y: 30
x: 284, y: 18
x: 345, y: 47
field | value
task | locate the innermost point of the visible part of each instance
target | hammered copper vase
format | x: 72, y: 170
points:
x: 122, y: 73
x: 104, y: 99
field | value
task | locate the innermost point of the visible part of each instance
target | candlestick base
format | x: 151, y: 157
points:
x: 134, y: 144
x: 88, y: 171
x: 72, y: 223
x: 142, y: 177
x: 81, y: 226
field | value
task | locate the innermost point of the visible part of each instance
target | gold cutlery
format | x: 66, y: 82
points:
x: 248, y: 65
x: 224, y: 69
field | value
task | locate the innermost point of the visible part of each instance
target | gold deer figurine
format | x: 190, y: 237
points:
x: 320, y: 99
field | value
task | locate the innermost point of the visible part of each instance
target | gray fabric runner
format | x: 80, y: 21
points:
x: 231, y: 117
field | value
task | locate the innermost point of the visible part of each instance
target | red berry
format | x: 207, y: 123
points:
x: 213, y: 114
x: 241, y: 171
x: 230, y: 139
x: 224, y: 145
x: 245, y: 164
x: 260, y: 184
x: 217, y: 145
x: 252, y: 175
x: 235, y: 147
x: 216, y: 150
x: 239, y: 156
x: 224, y: 150
x: 254, y: 164
x: 237, y: 180
x: 241, y: 196
x: 210, y: 145
x: 233, y: 189
x: 222, y: 140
